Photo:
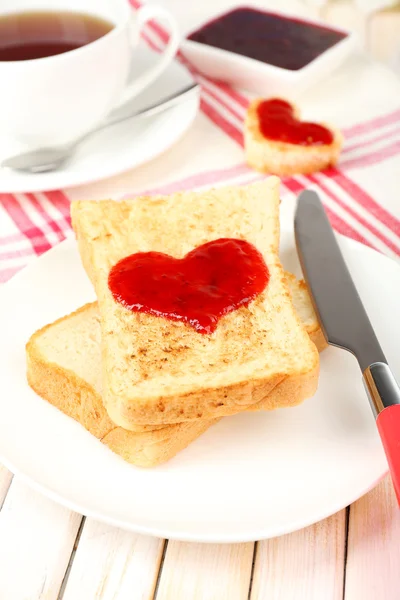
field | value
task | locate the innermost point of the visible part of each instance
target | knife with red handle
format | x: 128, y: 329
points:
x: 345, y: 322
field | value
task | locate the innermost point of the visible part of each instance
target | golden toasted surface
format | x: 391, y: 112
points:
x: 280, y: 158
x: 156, y: 371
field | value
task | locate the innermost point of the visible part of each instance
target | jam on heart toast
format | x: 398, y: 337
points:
x: 157, y: 371
x: 197, y: 289
x: 278, y: 142
x: 64, y: 368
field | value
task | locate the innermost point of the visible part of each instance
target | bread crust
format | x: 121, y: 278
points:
x: 284, y: 159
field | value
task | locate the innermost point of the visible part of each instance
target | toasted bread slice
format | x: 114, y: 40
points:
x: 157, y: 371
x: 281, y: 158
x: 64, y: 368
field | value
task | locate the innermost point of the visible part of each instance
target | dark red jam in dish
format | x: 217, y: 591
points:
x: 268, y: 37
x: 277, y: 122
x: 209, y: 282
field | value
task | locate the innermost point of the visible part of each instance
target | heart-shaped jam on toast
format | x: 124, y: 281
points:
x: 278, y: 122
x: 212, y: 280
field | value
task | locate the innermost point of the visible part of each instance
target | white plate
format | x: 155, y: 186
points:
x: 251, y: 476
x: 121, y: 147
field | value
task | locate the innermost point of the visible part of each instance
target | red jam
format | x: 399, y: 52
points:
x: 268, y: 37
x: 209, y: 282
x: 277, y: 122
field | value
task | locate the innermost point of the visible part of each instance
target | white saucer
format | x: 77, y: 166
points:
x: 120, y: 147
x: 251, y: 476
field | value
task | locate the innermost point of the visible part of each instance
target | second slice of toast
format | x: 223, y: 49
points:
x: 156, y: 371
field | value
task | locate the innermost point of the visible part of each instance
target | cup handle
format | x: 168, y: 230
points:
x: 143, y: 15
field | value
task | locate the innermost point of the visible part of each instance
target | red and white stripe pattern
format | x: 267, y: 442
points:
x: 30, y: 224
x: 353, y: 211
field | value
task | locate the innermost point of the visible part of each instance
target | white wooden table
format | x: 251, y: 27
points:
x: 49, y: 552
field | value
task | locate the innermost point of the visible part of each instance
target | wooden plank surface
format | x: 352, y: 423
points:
x: 111, y: 564
x: 304, y: 565
x: 206, y: 572
x: 36, y: 540
x: 373, y: 554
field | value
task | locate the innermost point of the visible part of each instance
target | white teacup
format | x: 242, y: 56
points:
x: 56, y: 99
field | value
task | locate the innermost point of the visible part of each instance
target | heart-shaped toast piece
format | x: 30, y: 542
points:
x: 278, y: 142
x: 277, y: 121
x: 198, y: 289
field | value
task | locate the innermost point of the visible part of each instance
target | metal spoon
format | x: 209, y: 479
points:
x: 50, y: 159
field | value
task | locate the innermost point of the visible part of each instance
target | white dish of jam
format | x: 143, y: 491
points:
x: 267, y: 53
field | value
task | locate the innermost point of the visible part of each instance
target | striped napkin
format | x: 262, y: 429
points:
x: 358, y: 194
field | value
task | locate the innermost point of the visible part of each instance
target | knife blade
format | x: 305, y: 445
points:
x: 344, y: 320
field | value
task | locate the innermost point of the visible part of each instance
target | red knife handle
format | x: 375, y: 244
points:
x: 388, y: 422
x: 384, y: 394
